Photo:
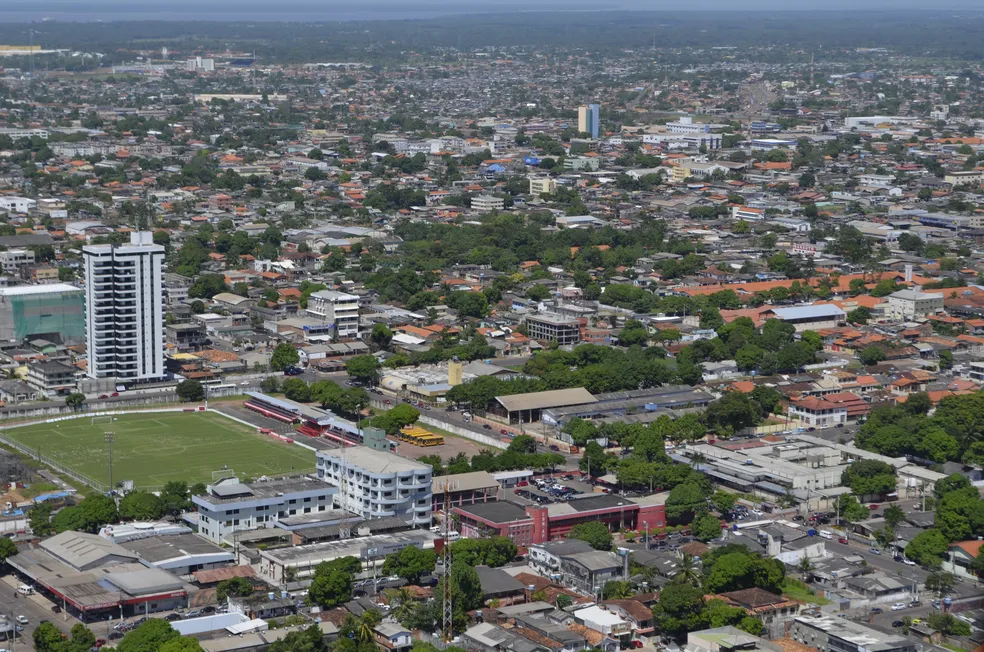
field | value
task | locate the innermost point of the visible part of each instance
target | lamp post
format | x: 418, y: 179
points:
x: 109, y: 437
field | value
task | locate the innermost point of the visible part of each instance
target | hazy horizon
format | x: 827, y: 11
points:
x: 337, y: 10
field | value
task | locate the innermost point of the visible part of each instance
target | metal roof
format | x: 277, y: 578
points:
x: 806, y: 312
x: 545, y: 400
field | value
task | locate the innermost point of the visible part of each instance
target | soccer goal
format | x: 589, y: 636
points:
x: 223, y: 473
x: 102, y: 419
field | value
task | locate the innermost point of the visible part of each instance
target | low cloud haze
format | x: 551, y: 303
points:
x: 314, y: 10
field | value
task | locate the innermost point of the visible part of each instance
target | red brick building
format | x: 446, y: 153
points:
x: 529, y: 524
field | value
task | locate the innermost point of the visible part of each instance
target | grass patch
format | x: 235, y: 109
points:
x: 152, y: 449
x: 38, y: 488
x: 796, y: 590
x: 954, y: 648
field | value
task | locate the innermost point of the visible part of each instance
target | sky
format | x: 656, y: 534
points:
x: 314, y: 10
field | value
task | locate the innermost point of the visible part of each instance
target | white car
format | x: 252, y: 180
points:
x: 757, y: 512
x: 245, y: 383
x: 898, y: 606
x: 22, y: 619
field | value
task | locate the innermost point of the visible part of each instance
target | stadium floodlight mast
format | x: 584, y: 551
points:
x: 109, y: 437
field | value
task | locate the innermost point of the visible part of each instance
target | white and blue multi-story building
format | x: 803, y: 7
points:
x: 230, y: 506
x: 376, y: 484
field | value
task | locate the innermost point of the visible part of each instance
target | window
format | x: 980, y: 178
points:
x: 308, y: 499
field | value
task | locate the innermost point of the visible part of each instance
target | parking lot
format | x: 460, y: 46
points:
x: 551, y: 490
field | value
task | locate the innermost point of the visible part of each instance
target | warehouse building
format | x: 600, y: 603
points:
x: 912, y: 304
x: 811, y: 318
x: 827, y: 633
x: 618, y: 404
x: 92, y: 577
x: 527, y: 408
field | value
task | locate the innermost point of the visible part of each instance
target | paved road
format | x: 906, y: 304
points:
x: 884, y: 561
x: 36, y: 608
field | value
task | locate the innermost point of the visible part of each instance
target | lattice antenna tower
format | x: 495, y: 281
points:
x: 447, y: 611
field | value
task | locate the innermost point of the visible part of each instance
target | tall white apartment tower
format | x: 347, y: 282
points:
x: 124, y: 309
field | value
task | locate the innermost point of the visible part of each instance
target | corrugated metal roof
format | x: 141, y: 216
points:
x: 805, y: 312
x: 545, y: 400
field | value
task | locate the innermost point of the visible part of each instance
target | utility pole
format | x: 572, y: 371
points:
x: 109, y: 437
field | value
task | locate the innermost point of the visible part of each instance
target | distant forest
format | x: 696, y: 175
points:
x: 951, y: 34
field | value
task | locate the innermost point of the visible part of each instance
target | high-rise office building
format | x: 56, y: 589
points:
x: 589, y: 119
x: 124, y: 306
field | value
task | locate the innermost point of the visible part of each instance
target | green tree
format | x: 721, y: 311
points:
x: 594, y: 461
x: 893, y: 515
x: 492, y: 551
x: 706, y: 527
x: 296, y: 389
x: 733, y: 412
x: 740, y: 569
x: 466, y: 589
x: 81, y: 639
x: 7, y: 550
x: 410, y: 563
x: 946, y: 359
x: 330, y: 587
x: 148, y: 637
x: 236, y: 586
x: 75, y: 400
x: 381, y: 336
x: 47, y: 638
x: 175, y: 497
x: 686, y: 500
x: 860, y: 315
x: 723, y: 501
x: 940, y: 582
x: 285, y: 355
x: 141, y: 506
x: 617, y: 589
x: 39, y: 520
x: 190, y: 391
x: 207, y: 286
x: 869, y: 478
x: 949, y: 625
x: 680, y: 610
x: 523, y: 444
x: 594, y: 533
x: 871, y: 355
x: 363, y: 368
x: 182, y: 644
x: 927, y: 548
x: 851, y: 510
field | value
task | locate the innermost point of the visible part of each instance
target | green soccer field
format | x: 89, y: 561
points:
x: 152, y: 449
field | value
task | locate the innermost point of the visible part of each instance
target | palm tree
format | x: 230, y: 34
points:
x: 403, y: 601
x: 688, y: 572
x: 787, y: 499
x: 804, y: 567
x: 367, y: 622
x: 697, y: 459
